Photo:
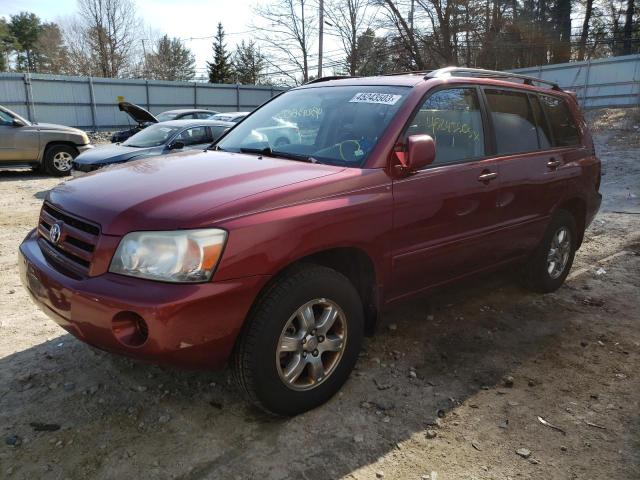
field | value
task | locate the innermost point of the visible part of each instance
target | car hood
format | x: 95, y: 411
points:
x: 57, y: 128
x: 180, y: 190
x: 106, y: 154
x: 139, y: 114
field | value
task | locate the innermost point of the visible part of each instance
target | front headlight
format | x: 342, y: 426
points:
x: 183, y: 256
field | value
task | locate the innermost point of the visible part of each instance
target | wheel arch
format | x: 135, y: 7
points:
x: 352, y: 262
x: 53, y: 143
x: 578, y: 208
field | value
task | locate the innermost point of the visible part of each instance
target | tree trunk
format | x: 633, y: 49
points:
x: 585, y: 30
x: 628, y: 28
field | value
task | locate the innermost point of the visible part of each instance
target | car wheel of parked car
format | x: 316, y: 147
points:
x: 549, y: 266
x: 58, y: 158
x: 300, y: 341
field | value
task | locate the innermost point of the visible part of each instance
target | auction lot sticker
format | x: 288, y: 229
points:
x: 382, y: 98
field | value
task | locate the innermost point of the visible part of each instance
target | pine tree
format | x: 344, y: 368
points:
x: 248, y: 63
x: 221, y: 69
x: 170, y: 60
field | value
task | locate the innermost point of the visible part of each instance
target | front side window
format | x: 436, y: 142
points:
x: 452, y: 118
x: 335, y: 125
x: 195, y: 136
x: 513, y: 121
x: 565, y: 131
x: 152, y: 136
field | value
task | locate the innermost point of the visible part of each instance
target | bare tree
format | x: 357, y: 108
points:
x: 109, y: 31
x: 288, y: 29
x: 349, y: 19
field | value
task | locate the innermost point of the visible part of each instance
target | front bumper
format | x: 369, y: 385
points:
x: 189, y: 325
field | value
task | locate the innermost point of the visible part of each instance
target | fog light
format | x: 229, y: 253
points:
x: 130, y: 329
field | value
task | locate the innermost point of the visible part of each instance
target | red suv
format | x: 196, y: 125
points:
x: 278, y: 256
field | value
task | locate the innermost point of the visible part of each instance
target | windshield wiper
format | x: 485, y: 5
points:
x: 215, y: 148
x: 269, y: 152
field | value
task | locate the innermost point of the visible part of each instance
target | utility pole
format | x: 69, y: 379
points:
x: 144, y: 53
x: 320, y: 30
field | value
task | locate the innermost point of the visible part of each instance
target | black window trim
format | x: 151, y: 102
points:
x: 580, y: 143
x: 483, y: 115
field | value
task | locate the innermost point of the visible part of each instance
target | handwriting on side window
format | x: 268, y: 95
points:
x: 439, y: 124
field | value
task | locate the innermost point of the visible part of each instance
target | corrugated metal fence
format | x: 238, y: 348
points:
x: 91, y: 103
x: 606, y: 82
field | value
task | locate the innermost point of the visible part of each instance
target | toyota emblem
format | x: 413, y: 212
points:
x: 54, y: 233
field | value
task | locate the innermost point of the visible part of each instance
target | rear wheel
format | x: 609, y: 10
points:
x: 301, y: 341
x: 58, y: 159
x: 549, y: 266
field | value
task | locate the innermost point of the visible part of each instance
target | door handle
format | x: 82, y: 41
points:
x: 487, y: 177
x: 553, y: 163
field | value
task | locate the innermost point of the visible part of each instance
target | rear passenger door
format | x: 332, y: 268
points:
x: 528, y: 166
x: 444, y: 215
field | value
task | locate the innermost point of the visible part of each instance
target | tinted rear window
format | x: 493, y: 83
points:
x: 563, y: 126
x: 513, y: 121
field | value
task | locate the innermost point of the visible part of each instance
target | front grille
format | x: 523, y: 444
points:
x: 77, y: 240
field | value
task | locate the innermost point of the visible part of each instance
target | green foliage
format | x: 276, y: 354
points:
x: 249, y: 63
x: 25, y: 27
x: 6, y: 44
x: 170, y: 60
x: 221, y: 69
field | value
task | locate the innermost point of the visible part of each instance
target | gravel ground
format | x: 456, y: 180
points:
x: 453, y: 386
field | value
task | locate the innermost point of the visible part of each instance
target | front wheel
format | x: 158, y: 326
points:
x: 301, y: 341
x: 549, y: 266
x: 58, y: 160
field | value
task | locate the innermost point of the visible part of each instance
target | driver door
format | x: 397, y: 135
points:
x: 445, y: 215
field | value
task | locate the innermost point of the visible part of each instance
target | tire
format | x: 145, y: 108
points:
x: 58, y: 158
x: 260, y: 369
x: 544, y: 274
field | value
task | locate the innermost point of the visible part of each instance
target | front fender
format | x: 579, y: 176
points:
x: 264, y: 243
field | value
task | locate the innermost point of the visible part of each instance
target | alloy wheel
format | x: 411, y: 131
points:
x: 311, y: 344
x: 559, y: 253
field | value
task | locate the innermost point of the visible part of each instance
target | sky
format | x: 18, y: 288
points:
x: 186, y: 19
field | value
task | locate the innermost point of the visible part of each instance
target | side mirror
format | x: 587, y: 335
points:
x: 177, y: 145
x: 421, y: 151
x: 17, y: 123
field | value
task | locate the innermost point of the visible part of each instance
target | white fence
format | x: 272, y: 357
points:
x: 91, y: 103
x: 606, y: 82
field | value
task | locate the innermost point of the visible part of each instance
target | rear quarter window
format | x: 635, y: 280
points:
x: 563, y: 126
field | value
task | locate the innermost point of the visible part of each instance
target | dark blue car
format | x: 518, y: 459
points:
x: 158, y: 139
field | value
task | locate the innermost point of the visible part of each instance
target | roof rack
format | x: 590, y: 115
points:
x: 408, y: 72
x: 332, y: 77
x: 480, y: 73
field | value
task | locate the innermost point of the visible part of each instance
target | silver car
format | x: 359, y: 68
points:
x: 39, y: 145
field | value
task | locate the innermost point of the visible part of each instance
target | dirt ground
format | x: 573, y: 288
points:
x: 431, y: 398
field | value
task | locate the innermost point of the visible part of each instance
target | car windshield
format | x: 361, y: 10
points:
x: 152, y: 136
x: 164, y: 116
x: 334, y: 125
